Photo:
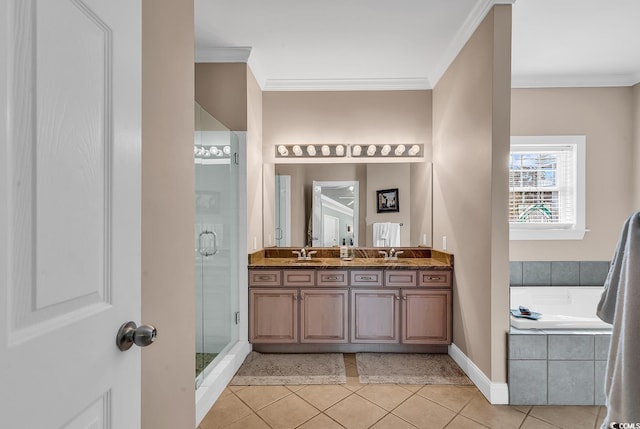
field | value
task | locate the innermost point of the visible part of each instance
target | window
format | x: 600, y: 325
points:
x: 546, y: 188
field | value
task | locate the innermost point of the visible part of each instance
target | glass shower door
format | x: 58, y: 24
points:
x: 216, y: 250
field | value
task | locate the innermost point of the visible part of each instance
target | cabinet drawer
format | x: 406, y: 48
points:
x: 401, y: 278
x: 366, y: 278
x: 332, y: 278
x: 298, y: 278
x: 434, y: 278
x: 264, y: 278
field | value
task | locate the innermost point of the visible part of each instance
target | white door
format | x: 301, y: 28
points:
x: 330, y: 230
x: 69, y: 212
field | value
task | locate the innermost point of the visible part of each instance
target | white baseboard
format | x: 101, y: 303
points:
x: 216, y: 381
x: 496, y: 393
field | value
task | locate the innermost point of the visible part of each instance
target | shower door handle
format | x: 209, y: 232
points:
x: 206, y: 251
x: 130, y: 334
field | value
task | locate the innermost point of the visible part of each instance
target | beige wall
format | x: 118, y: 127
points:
x: 168, y: 396
x: 254, y: 163
x: 604, y: 116
x: 361, y: 117
x: 421, y: 196
x: 347, y: 117
x: 470, y: 122
x: 636, y: 145
x: 389, y: 176
x: 221, y: 89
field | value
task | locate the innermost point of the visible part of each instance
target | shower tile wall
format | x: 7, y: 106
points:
x: 558, y: 273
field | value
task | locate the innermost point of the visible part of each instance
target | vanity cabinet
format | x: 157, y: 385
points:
x: 331, y: 306
x: 298, y: 311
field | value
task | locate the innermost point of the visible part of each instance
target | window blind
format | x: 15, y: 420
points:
x: 542, y: 184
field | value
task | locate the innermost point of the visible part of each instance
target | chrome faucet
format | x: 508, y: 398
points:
x: 392, y: 255
x: 303, y: 254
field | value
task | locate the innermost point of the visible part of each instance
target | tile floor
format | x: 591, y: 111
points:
x: 380, y: 406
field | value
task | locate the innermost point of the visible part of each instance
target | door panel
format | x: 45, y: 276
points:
x: 426, y: 317
x: 324, y: 315
x: 375, y: 316
x: 70, y: 235
x: 273, y: 315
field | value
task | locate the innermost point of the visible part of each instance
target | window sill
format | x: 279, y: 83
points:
x: 546, y: 234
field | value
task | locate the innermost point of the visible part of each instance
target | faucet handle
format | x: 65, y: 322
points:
x: 312, y: 252
x: 295, y: 252
x: 399, y: 252
x: 382, y: 252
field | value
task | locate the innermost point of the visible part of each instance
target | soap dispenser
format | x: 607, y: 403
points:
x: 344, y: 251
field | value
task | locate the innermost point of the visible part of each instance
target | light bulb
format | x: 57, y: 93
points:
x: 311, y: 150
x: 340, y: 150
x: 356, y: 150
x: 282, y: 150
x: 399, y: 150
x: 385, y: 150
x: 227, y: 150
x: 297, y: 151
x: 214, y: 151
x: 371, y: 150
x: 413, y: 151
x: 326, y: 151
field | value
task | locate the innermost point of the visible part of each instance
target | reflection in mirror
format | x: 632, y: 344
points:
x: 289, y: 199
x: 335, y: 213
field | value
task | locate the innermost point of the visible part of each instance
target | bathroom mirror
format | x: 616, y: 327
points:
x: 334, y: 213
x: 288, y: 200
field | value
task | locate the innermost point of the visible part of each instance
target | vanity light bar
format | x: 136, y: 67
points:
x: 212, y: 152
x: 311, y: 151
x: 353, y: 151
x: 387, y: 151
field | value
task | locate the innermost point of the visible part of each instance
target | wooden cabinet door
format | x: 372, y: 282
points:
x: 375, y: 316
x: 426, y: 317
x: 324, y: 315
x: 273, y: 315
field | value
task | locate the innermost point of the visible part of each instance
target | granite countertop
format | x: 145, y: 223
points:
x: 359, y: 263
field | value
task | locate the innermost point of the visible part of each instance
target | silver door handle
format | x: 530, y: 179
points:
x: 206, y: 251
x: 130, y: 334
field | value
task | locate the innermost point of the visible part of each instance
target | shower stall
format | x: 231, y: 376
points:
x: 216, y: 241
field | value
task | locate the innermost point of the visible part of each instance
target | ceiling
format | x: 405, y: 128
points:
x: 408, y: 44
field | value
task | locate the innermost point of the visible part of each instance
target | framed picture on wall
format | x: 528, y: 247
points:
x: 388, y: 200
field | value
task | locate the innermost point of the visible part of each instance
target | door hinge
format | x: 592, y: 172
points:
x: 237, y: 317
x: 236, y: 158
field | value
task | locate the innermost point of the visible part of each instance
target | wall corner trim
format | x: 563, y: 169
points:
x: 222, y: 55
x: 496, y: 393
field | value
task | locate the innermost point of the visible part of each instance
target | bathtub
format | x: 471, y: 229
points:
x: 567, y: 308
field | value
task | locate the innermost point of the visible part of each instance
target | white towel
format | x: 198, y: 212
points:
x: 394, y: 234
x: 386, y: 234
x: 380, y: 234
x: 620, y: 306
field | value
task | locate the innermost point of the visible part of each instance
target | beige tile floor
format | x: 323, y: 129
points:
x: 382, y: 406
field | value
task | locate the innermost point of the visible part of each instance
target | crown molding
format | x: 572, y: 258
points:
x: 223, y: 55
x: 346, y: 84
x: 574, y: 81
x: 477, y: 14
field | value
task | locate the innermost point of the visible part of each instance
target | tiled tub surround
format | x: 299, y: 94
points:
x: 558, y: 273
x: 557, y: 368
